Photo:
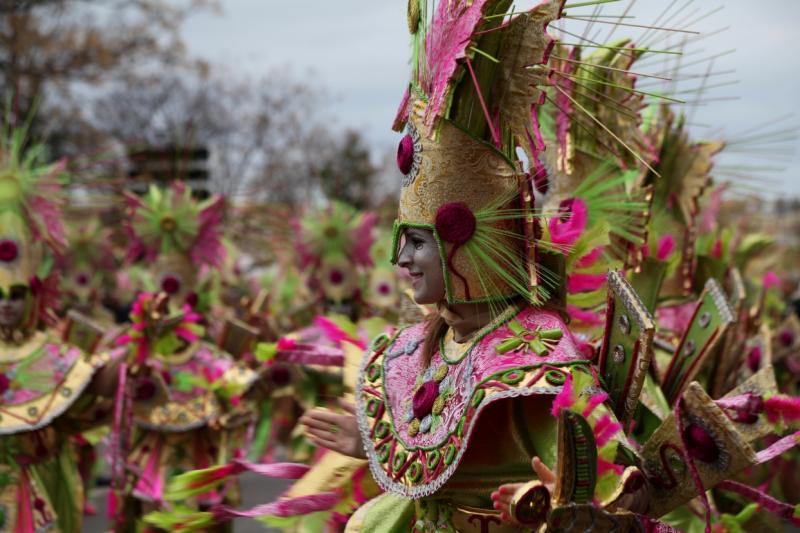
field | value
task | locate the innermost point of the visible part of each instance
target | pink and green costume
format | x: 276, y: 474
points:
x: 439, y: 440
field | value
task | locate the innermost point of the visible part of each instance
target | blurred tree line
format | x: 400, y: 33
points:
x: 101, y: 77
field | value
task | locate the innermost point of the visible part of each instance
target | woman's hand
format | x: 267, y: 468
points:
x: 337, y: 432
x: 503, y: 495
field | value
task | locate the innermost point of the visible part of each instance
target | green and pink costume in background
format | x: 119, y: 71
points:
x: 42, y: 384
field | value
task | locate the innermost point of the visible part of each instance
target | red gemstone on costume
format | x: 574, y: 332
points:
x: 786, y: 337
x: 170, y: 285
x: 405, y: 154
x: 384, y: 289
x: 8, y: 251
x: 424, y: 398
x: 700, y: 444
x: 82, y: 279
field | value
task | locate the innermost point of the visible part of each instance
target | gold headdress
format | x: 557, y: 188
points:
x: 470, y: 105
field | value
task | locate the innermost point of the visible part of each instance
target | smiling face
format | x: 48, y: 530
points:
x: 419, y: 254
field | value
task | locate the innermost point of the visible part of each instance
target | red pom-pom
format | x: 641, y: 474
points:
x: 455, y: 223
x: 170, y: 285
x: 384, y: 289
x: 8, y: 251
x: 405, y: 154
x: 336, y: 277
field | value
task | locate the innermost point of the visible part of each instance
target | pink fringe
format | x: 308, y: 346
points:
x: 566, y: 232
x: 716, y: 249
x: 564, y: 399
x: 605, y: 429
x: 779, y: 508
x: 593, y: 402
x: 285, y: 508
x: 604, y: 466
x: 311, y: 354
x: 666, y: 245
x: 771, y: 280
x: 582, y: 315
x: 782, y: 407
x: 584, y: 282
x: 286, y: 343
x: 336, y: 334
x: 778, y: 448
x: 401, y: 117
x: 590, y: 258
x: 448, y: 36
x: 277, y: 470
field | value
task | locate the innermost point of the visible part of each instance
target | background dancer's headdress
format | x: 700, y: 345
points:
x: 334, y: 243
x: 31, y: 230
x: 178, y: 232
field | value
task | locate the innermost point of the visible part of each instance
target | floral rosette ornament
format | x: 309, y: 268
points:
x: 424, y: 408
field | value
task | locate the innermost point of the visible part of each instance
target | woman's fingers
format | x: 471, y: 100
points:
x: 316, y: 423
x: 322, y: 435
x: 328, y: 417
x: 347, y: 407
x: 542, y: 471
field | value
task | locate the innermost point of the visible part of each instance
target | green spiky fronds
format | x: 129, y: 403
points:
x: 336, y: 231
x: 30, y: 189
x: 168, y: 219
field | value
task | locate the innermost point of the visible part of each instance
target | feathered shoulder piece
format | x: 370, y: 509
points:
x: 170, y: 220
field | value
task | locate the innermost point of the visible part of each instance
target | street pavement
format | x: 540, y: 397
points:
x: 255, y: 490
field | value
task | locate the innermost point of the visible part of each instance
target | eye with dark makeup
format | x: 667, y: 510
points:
x: 417, y: 241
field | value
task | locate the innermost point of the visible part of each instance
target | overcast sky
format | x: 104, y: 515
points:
x: 358, y: 52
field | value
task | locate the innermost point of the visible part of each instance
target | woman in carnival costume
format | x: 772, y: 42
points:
x: 48, y: 385
x: 182, y: 403
x: 450, y: 412
x: 449, y: 409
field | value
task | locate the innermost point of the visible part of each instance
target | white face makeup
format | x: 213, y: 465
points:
x: 419, y: 254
